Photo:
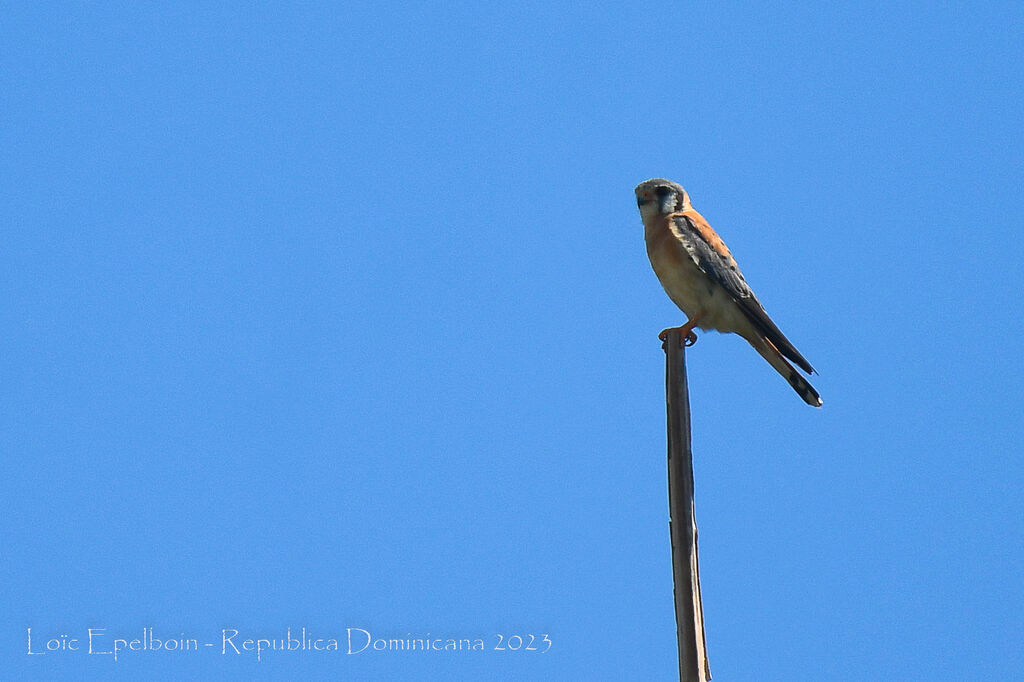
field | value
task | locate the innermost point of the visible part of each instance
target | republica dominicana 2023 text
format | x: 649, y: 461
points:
x: 103, y: 642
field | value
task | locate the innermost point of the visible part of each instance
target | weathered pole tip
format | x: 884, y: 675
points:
x: 668, y: 336
x: 684, y: 341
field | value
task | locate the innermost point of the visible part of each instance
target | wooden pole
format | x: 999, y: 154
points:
x: 693, y: 655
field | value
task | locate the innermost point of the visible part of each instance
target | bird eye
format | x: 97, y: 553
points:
x: 662, y: 192
x: 640, y: 201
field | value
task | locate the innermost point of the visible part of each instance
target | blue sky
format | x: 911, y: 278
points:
x: 338, y: 316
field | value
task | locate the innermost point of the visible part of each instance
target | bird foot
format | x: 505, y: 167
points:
x: 688, y: 337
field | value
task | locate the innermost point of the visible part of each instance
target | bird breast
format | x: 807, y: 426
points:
x: 688, y: 287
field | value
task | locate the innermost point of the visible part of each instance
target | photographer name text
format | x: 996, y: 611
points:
x: 232, y: 641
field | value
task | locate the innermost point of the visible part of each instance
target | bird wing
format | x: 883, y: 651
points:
x: 712, y: 256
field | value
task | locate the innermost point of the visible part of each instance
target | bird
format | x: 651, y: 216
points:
x: 700, y: 275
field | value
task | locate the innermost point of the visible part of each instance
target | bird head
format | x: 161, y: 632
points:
x: 660, y: 197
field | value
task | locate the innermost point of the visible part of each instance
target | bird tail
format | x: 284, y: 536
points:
x: 802, y: 387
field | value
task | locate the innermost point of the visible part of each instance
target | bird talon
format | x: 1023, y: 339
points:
x: 686, y: 336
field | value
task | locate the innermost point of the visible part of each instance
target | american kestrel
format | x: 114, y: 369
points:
x: 701, y: 277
